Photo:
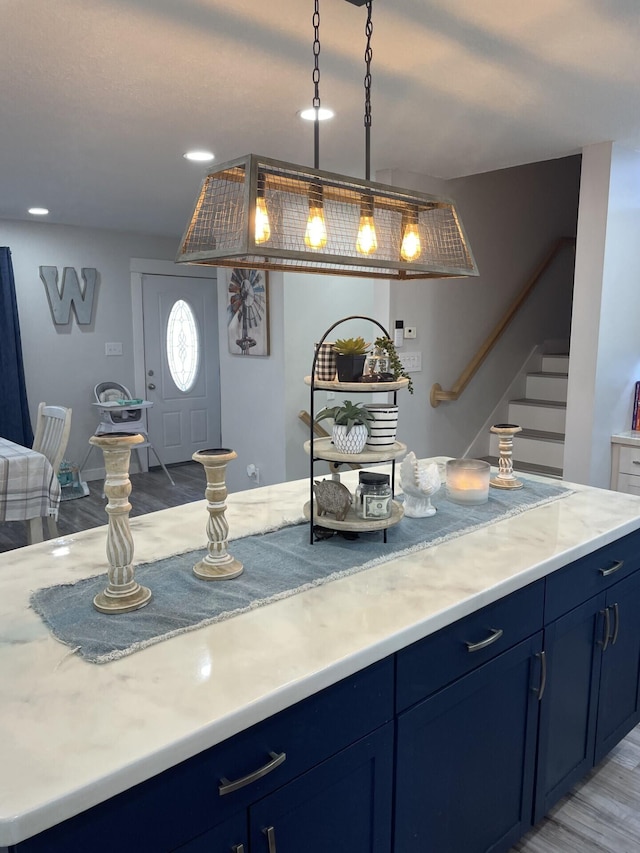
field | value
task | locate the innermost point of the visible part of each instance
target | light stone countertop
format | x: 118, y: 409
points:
x: 630, y: 436
x: 74, y: 733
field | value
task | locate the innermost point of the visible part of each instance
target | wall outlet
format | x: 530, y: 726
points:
x: 410, y: 332
x: 113, y: 349
x: 411, y: 361
x: 331, y: 395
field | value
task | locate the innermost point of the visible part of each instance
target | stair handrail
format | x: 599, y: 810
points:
x: 438, y: 394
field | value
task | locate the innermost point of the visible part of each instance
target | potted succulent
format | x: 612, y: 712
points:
x: 396, y: 368
x: 350, y: 425
x: 350, y: 357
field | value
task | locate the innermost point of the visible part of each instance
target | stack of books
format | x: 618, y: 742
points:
x: 635, y: 418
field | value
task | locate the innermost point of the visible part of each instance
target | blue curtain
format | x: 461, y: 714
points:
x: 15, y: 423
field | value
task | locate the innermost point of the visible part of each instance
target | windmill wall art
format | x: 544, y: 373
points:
x: 248, y: 312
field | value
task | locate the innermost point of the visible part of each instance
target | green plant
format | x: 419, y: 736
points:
x: 351, y: 346
x: 386, y: 345
x: 348, y: 414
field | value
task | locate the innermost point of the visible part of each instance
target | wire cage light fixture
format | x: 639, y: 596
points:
x: 260, y: 213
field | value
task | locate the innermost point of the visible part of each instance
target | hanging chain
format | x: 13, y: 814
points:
x: 316, y: 55
x: 316, y: 82
x: 368, y: 54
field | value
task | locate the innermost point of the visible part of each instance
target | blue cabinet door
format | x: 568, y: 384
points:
x: 343, y: 805
x: 466, y: 757
x: 619, y: 696
x: 573, y: 648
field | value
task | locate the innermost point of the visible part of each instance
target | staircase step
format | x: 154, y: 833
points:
x: 547, y: 386
x: 529, y: 468
x: 545, y: 415
x: 536, y: 447
x: 555, y: 363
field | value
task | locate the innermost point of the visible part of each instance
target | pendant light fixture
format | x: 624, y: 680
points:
x: 260, y: 213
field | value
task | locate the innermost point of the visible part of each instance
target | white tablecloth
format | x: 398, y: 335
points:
x: 29, y: 487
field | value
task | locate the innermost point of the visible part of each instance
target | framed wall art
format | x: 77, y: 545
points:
x: 248, y: 312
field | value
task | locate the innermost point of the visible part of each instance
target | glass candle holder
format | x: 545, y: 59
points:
x: 468, y: 481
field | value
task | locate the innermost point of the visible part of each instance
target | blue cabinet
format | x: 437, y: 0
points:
x: 593, y: 660
x: 466, y: 752
x: 466, y: 758
x: 343, y: 805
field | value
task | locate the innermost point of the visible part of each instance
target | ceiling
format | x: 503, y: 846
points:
x: 100, y: 98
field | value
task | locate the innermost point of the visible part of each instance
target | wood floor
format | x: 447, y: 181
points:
x: 149, y: 492
x: 601, y: 814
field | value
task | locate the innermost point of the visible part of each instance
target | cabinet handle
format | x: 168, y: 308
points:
x: 607, y: 625
x: 616, y: 623
x: 543, y: 674
x: 237, y: 848
x: 495, y: 635
x: 227, y: 787
x: 271, y: 838
x: 614, y: 568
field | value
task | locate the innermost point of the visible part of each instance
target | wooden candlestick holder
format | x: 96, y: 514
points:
x: 505, y: 479
x: 123, y: 593
x: 218, y: 564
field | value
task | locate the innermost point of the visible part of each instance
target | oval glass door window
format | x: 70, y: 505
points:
x: 183, y: 345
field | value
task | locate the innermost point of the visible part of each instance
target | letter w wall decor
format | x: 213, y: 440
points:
x: 70, y: 294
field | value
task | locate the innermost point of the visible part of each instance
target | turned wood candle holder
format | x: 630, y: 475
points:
x: 218, y: 563
x: 123, y: 593
x: 505, y: 479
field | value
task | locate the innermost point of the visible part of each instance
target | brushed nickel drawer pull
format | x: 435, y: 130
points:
x: 616, y: 623
x: 614, y: 568
x: 227, y: 787
x: 543, y: 674
x: 495, y: 635
x: 607, y: 625
x: 271, y: 838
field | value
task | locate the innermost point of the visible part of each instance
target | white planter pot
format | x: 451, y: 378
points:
x: 383, y: 427
x: 349, y: 442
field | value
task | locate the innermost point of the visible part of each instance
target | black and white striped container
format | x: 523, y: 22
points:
x: 383, y: 427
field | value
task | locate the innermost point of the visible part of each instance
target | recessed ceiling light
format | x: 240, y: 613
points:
x: 310, y: 114
x: 199, y: 156
x: 38, y: 211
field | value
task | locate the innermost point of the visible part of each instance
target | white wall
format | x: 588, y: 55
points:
x: 511, y: 217
x: 313, y: 303
x: 63, y: 363
x: 605, y: 349
x: 252, y: 395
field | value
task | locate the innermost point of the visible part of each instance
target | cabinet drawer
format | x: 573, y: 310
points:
x: 575, y: 583
x: 185, y: 802
x: 629, y: 483
x: 629, y: 460
x: 436, y: 661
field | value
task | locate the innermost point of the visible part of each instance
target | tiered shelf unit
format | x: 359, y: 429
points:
x: 322, y: 448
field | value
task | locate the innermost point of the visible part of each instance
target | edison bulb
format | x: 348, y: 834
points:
x: 411, y: 248
x: 367, y: 242
x: 316, y: 234
x: 263, y: 228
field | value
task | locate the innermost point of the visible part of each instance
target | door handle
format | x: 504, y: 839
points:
x: 616, y: 624
x: 226, y: 787
x: 614, y: 568
x: 151, y: 386
x: 271, y: 838
x: 543, y: 674
x: 493, y: 637
x: 607, y: 625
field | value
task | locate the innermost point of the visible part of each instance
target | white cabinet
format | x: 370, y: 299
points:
x: 625, y: 462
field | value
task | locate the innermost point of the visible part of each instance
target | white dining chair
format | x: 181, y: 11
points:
x: 52, y: 435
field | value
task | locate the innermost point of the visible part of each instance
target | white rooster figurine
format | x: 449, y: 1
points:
x: 419, y: 479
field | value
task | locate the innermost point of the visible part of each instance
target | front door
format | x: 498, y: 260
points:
x: 181, y: 363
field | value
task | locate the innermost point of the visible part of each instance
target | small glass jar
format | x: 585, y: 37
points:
x: 372, y: 498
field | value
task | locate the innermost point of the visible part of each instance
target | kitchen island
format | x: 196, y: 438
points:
x: 75, y: 734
